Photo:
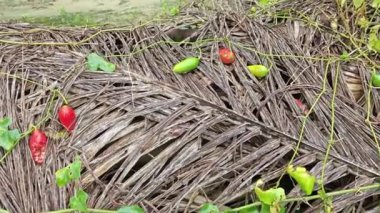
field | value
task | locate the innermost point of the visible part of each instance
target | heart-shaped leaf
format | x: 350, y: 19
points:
x: 304, y: 179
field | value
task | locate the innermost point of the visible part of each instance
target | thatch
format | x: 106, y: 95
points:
x: 171, y: 142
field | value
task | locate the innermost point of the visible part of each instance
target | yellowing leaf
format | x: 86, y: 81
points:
x: 375, y: 4
x: 374, y: 42
x: 358, y: 3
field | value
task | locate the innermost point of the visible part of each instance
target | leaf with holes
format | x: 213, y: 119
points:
x: 131, y: 209
x: 96, y: 63
x: 79, y: 201
x: 209, y: 208
x: 74, y: 169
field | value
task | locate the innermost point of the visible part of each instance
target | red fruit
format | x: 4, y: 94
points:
x: 226, y: 56
x: 67, y: 117
x: 37, y: 146
x: 302, y: 106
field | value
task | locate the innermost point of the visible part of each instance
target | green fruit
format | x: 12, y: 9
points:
x: 258, y: 70
x: 303, y: 178
x: 186, y: 65
x: 375, y: 80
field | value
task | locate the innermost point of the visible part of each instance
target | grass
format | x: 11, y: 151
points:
x: 64, y: 19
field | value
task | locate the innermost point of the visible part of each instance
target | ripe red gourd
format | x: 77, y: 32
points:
x: 226, y: 56
x: 38, y: 145
x: 302, y: 106
x: 67, y: 117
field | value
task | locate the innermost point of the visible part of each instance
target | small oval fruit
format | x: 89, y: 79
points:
x: 37, y: 146
x: 186, y: 65
x: 67, y: 117
x: 375, y: 80
x: 258, y: 70
x: 226, y: 56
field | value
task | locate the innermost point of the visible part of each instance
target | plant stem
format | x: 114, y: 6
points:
x: 314, y: 197
x: 331, y: 139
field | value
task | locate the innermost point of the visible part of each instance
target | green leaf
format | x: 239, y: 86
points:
x: 358, y: 3
x: 14, y: 134
x: 264, y: 2
x: 342, y: 2
x: 304, y: 179
x: 74, y: 169
x: 250, y: 210
x: 5, y: 140
x: 375, y: 4
x: 79, y: 201
x: 131, y: 209
x: 5, y: 122
x: 95, y: 62
x: 8, y: 138
x: 363, y: 22
x: 69, y: 173
x: 174, y: 11
x: 265, y: 208
x: 270, y: 196
x: 209, y: 208
x: 344, y: 56
x: 374, y: 42
x: 277, y: 208
x: 62, y: 177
